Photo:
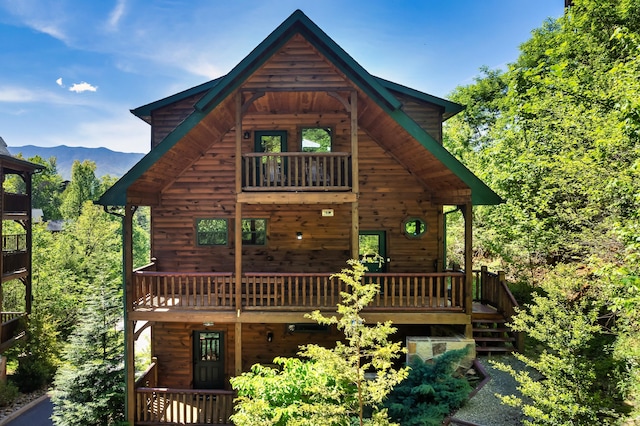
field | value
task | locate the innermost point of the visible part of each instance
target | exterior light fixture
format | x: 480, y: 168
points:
x: 246, y: 134
x: 299, y: 235
x: 208, y: 323
x: 269, y: 336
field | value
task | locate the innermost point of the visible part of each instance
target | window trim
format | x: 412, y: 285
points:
x: 197, y: 232
x: 246, y: 242
x: 414, y: 235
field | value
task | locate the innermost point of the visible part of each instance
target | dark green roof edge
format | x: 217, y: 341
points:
x: 450, y: 108
x: 276, y: 39
x: 144, y: 111
x: 219, y: 89
x: 116, y: 195
x: 481, y: 194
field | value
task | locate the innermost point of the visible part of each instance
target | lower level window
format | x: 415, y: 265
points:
x: 254, y: 232
x: 212, y: 232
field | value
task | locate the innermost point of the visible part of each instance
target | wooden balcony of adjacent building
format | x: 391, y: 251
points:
x: 15, y: 256
x: 16, y: 206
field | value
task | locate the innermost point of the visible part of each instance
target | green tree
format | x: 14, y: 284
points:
x: 578, y: 384
x: 47, y: 188
x: 89, y: 385
x: 84, y: 186
x: 328, y: 386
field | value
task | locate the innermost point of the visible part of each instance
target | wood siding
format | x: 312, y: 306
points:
x: 428, y: 116
x: 165, y: 120
x: 172, y: 344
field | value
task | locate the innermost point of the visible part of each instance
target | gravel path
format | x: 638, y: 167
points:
x: 485, y: 407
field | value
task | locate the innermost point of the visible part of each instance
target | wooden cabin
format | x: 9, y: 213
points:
x: 15, y: 262
x: 262, y: 184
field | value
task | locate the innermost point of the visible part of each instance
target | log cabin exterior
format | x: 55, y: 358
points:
x: 248, y: 222
x: 15, y: 262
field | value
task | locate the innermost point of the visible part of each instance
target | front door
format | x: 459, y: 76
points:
x: 373, y: 250
x: 208, y: 362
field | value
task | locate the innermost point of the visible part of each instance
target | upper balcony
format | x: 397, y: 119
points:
x: 297, y: 171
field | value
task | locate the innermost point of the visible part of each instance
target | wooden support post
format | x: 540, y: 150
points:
x: 237, y: 279
x: 355, y: 176
x: 468, y: 264
x: 28, y: 280
x: 129, y: 350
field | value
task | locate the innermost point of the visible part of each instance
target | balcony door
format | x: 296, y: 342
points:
x: 208, y: 360
x: 273, y: 167
x: 373, y: 250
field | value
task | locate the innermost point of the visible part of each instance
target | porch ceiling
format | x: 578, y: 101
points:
x: 443, y: 184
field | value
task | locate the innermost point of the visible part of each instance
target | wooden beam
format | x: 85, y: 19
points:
x: 296, y: 197
x: 130, y: 370
x: 467, y: 211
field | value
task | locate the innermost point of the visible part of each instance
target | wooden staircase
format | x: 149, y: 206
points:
x: 491, y: 334
x: 493, y: 307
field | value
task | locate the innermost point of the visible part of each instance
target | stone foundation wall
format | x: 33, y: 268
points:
x: 428, y: 348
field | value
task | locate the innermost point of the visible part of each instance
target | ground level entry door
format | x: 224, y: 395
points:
x: 208, y: 360
x: 373, y: 250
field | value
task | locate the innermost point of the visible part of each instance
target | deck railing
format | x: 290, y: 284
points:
x: 292, y: 291
x: 16, y: 202
x: 14, y: 242
x: 186, y: 290
x: 183, y: 406
x: 296, y: 171
x: 492, y: 289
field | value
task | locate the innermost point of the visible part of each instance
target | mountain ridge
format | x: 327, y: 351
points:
x: 108, y: 162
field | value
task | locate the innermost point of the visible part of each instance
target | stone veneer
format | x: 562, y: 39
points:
x: 428, y: 348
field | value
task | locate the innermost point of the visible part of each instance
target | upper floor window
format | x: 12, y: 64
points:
x: 254, y: 232
x: 212, y: 232
x: 316, y: 139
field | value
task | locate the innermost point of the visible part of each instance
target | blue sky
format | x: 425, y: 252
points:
x: 72, y: 69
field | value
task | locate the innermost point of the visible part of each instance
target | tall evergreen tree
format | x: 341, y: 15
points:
x: 89, y: 386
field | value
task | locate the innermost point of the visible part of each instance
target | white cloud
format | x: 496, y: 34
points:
x: 59, y: 82
x: 82, y: 87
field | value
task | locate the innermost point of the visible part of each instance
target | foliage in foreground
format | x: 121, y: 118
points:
x: 577, y: 365
x: 327, y: 386
x: 430, y: 392
x: 89, y: 386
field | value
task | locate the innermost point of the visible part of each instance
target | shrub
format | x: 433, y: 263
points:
x: 430, y: 392
x: 8, y: 393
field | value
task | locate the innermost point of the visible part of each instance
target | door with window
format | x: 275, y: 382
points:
x: 271, y: 166
x: 208, y: 360
x: 373, y: 250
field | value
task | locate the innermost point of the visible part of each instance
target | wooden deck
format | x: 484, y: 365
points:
x: 164, y: 291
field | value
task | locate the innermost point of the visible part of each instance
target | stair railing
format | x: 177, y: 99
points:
x: 492, y: 289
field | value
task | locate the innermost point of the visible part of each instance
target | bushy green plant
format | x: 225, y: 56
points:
x: 39, y: 356
x: 328, y: 386
x: 8, y: 393
x: 431, y: 391
x: 576, y: 363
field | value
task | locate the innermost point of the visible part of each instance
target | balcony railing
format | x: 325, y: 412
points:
x: 156, y: 405
x: 183, y: 406
x: 296, y: 171
x: 14, y: 242
x: 16, y: 203
x: 293, y: 291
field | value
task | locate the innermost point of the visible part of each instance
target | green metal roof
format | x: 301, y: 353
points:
x: 450, y: 108
x: 219, y: 89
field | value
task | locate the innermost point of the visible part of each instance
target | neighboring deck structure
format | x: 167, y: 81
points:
x: 15, y: 262
x: 262, y: 183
